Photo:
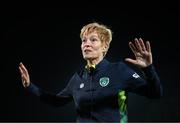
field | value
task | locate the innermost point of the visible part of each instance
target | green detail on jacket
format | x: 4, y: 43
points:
x: 122, y: 106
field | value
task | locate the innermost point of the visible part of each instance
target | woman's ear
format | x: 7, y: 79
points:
x: 105, y: 48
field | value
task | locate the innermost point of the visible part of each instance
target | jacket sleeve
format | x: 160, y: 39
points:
x: 58, y: 99
x: 147, y: 85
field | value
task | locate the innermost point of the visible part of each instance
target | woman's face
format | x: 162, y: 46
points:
x: 91, y: 46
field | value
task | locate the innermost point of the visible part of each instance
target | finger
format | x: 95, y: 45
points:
x: 20, y: 69
x: 21, y: 72
x: 24, y: 75
x: 132, y: 47
x: 148, y: 46
x: 142, y: 44
x: 24, y: 79
x: 23, y: 68
x: 138, y: 46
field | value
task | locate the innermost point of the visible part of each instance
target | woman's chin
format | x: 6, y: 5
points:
x: 88, y: 57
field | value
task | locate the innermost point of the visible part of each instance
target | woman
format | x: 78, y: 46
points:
x: 100, y: 89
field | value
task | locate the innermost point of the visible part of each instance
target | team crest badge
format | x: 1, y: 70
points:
x: 104, y: 81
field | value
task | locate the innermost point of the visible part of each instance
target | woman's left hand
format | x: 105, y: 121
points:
x: 142, y: 52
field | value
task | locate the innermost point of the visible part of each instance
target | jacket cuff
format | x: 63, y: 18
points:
x: 149, y: 71
x: 34, y: 89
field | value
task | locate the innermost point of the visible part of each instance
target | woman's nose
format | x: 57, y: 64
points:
x: 87, y: 43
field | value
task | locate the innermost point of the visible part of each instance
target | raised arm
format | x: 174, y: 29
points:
x: 59, y: 99
x: 143, y: 60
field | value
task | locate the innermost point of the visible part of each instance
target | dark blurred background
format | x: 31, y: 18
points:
x: 46, y: 40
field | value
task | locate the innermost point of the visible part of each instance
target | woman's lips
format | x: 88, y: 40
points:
x: 87, y: 50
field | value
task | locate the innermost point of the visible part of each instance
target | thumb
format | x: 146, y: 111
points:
x: 132, y: 61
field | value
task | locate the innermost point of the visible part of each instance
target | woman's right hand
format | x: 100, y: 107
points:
x: 24, y: 75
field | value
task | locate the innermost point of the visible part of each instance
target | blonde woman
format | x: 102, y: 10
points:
x: 100, y: 89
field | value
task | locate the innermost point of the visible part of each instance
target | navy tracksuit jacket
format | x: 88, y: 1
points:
x: 100, y: 95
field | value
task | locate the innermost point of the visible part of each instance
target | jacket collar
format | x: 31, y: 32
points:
x: 103, y: 63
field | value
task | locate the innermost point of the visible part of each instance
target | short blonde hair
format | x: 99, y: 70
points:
x: 104, y: 32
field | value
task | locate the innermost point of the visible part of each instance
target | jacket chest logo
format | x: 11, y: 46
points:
x: 81, y: 85
x: 104, y: 81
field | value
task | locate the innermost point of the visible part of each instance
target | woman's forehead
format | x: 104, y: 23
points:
x: 90, y: 34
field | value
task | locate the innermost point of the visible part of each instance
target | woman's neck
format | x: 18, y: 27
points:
x: 94, y: 61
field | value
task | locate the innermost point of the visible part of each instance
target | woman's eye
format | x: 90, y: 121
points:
x: 94, y: 39
x: 83, y: 40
